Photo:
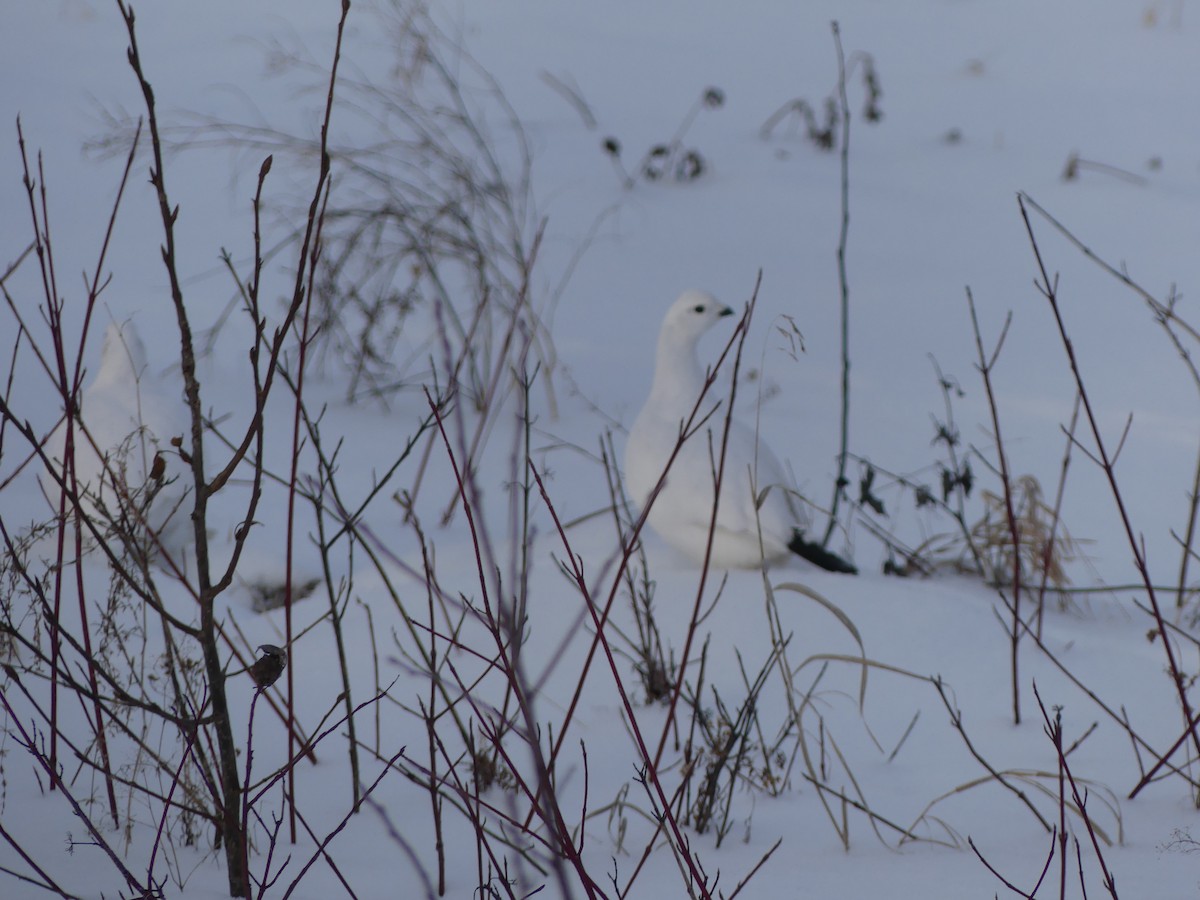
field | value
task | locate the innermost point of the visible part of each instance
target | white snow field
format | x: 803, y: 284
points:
x: 543, y: 700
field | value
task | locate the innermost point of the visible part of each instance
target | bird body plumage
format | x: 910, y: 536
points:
x: 755, y: 521
x: 130, y: 418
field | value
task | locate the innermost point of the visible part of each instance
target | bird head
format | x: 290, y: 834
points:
x: 692, y: 314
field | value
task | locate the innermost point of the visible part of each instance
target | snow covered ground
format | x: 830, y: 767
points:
x: 980, y: 100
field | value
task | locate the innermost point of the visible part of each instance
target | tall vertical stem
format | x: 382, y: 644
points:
x: 839, y: 484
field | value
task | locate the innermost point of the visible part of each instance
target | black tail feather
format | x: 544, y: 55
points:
x: 819, y: 556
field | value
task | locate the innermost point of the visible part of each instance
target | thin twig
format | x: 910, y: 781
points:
x: 840, y: 482
x: 985, y: 366
x: 1048, y: 288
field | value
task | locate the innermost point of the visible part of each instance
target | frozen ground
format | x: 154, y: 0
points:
x: 980, y: 100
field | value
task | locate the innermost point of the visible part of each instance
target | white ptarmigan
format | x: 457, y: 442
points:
x: 756, y: 523
x: 131, y: 417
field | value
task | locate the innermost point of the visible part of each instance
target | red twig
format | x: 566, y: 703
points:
x: 1048, y: 289
x: 695, y: 421
x: 541, y: 795
x: 1055, y: 521
x: 29, y: 742
x: 1008, y: 884
x: 175, y: 779
x: 985, y: 365
x: 653, y: 783
x: 739, y: 341
x: 48, y: 882
x: 1054, y: 731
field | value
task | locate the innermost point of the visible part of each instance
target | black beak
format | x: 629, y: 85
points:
x: 727, y: 311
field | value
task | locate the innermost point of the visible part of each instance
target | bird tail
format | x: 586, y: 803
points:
x: 819, y: 556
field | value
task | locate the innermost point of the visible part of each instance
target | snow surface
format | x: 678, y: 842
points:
x: 980, y: 100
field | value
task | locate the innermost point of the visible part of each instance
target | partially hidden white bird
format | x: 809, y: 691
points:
x: 129, y: 486
x: 756, y: 524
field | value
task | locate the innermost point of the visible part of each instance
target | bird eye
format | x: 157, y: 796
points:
x: 698, y: 308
